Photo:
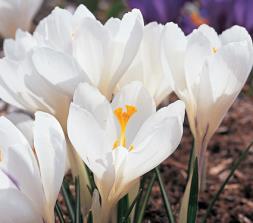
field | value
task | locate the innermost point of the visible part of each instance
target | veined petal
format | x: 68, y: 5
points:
x: 6, y: 181
x: 235, y: 34
x: 147, y: 65
x: 223, y: 77
x: 89, y: 46
x: 24, y: 123
x: 157, y: 139
x: 86, y: 135
x: 50, y: 147
x: 18, y: 48
x: 19, y: 163
x: 122, y: 50
x: 90, y: 99
x: 16, y: 207
x: 199, y: 48
x: 174, y: 45
x: 60, y: 69
x: 55, y: 30
x: 210, y: 34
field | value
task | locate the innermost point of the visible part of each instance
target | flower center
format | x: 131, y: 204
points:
x: 123, y: 118
x: 214, y: 50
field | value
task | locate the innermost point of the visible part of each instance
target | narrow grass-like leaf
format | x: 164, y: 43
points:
x: 122, y: 208
x: 90, y: 218
x: 190, y: 162
x: 140, y: 199
x: 59, y: 212
x: 78, y: 201
x: 233, y: 169
x: 146, y: 195
x: 91, y: 180
x: 69, y: 201
x: 193, y: 198
x: 164, y: 196
x: 126, y: 217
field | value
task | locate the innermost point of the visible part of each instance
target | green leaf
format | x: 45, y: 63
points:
x: 234, y: 167
x: 193, y: 198
x: 146, y: 195
x: 164, y: 196
x: 140, y: 198
x: 116, y: 9
x: 78, y: 201
x: 59, y: 212
x: 91, y: 180
x: 69, y: 201
x: 90, y: 218
x: 92, y: 5
x: 126, y: 217
x: 122, y: 208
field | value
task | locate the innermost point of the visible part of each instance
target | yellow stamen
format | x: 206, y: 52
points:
x: 214, y: 50
x: 123, y: 118
x: 131, y: 148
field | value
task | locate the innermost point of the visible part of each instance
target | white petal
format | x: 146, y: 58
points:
x: 16, y: 207
x: 59, y: 69
x: 50, y: 147
x: 174, y: 45
x: 82, y: 12
x: 123, y: 49
x: 157, y: 139
x: 86, y: 135
x: 89, y: 46
x: 235, y: 34
x: 199, y: 47
x: 24, y: 123
x: 90, y: 99
x: 55, y: 30
x: 19, y: 163
x: 210, y: 34
x: 18, y: 48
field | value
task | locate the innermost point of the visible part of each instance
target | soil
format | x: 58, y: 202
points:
x: 235, y: 204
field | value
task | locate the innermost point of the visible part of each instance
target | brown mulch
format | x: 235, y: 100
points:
x: 235, y: 133
x: 236, y: 201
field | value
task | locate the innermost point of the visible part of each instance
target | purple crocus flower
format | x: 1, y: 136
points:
x: 222, y: 14
x: 158, y: 10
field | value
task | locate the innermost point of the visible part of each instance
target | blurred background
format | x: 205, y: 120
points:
x: 189, y: 14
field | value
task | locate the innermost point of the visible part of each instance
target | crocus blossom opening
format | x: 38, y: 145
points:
x: 123, y: 118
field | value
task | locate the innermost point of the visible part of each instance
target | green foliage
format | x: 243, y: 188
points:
x: 193, y: 198
x: 164, y: 196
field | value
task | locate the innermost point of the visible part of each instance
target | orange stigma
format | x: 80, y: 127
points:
x: 123, y: 118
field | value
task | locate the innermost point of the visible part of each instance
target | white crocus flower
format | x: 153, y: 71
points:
x: 15, y: 14
x: 31, y: 177
x: 100, y: 55
x: 209, y: 71
x: 147, y: 65
x: 121, y: 141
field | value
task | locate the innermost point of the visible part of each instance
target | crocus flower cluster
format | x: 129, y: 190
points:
x: 104, y: 83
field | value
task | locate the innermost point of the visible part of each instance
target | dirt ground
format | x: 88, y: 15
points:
x: 236, y: 202
x: 235, y: 133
